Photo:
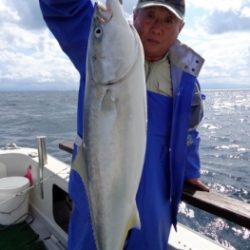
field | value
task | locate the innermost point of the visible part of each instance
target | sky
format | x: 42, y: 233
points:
x: 30, y: 57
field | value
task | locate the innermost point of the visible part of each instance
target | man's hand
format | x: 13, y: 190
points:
x: 197, y: 184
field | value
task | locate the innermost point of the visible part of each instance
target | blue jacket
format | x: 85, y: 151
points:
x: 69, y: 21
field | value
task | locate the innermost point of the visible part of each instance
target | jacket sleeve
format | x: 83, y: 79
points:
x: 69, y: 21
x: 193, y: 140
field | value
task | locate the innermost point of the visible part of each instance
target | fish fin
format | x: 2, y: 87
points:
x: 79, y: 164
x: 108, y: 102
x: 134, y: 218
x: 133, y: 222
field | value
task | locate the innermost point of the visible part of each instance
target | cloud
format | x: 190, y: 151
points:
x: 129, y: 6
x: 224, y: 21
x: 224, y: 16
x: 219, y: 31
x: 31, y: 57
x: 6, y: 14
x: 228, y: 63
x: 227, y: 55
x: 24, y: 13
x: 223, y: 5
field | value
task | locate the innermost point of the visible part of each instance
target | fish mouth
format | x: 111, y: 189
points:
x: 104, y: 12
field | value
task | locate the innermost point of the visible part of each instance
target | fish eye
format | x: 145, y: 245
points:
x: 98, y: 31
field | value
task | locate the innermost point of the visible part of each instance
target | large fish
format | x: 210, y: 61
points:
x: 114, y: 125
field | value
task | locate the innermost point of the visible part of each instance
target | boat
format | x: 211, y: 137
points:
x: 48, y: 205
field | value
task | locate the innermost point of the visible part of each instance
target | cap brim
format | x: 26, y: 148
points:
x: 170, y: 8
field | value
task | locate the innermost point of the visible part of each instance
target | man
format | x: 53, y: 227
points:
x: 174, y: 112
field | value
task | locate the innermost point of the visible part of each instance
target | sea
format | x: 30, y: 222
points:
x: 224, y: 148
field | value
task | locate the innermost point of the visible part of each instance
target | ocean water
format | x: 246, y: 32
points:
x: 26, y: 115
x: 224, y: 150
x: 225, y: 158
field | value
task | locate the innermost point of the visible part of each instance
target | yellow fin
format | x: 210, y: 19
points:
x: 133, y: 222
x: 79, y: 164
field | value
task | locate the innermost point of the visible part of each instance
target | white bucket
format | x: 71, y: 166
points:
x: 13, y: 199
x: 3, y: 170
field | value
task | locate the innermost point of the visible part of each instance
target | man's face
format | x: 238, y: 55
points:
x: 158, y: 29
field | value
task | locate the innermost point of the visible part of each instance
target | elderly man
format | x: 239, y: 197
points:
x: 174, y: 112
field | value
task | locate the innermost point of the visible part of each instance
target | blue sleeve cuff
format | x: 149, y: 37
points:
x: 192, y: 169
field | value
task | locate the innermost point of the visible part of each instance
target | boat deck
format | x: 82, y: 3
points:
x: 187, y: 239
x: 51, y: 229
x: 20, y: 236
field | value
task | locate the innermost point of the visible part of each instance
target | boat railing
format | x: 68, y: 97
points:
x: 42, y: 160
x: 212, y: 202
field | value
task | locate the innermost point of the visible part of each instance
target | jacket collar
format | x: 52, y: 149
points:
x: 185, y: 58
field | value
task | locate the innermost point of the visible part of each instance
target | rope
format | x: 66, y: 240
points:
x: 21, y: 193
x: 14, y: 209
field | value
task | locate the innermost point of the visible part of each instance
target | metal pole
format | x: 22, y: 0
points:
x: 42, y: 159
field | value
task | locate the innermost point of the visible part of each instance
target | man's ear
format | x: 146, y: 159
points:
x: 181, y: 26
x: 135, y: 12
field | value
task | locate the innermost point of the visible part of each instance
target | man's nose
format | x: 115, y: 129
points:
x: 157, y: 26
